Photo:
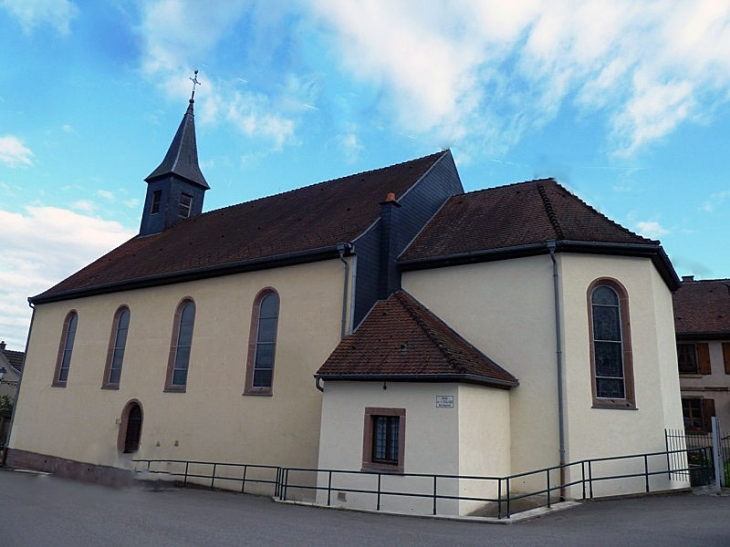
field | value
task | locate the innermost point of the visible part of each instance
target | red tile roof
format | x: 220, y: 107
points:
x: 702, y: 309
x: 515, y: 215
x: 310, y: 218
x: 402, y: 340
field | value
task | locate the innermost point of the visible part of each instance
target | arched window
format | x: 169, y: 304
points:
x: 182, y: 338
x: 130, y: 429
x: 117, y: 344
x: 262, y: 343
x: 611, y: 363
x: 68, y: 336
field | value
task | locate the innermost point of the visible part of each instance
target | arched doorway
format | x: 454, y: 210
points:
x: 130, y: 430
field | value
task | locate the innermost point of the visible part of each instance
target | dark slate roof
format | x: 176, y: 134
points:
x: 264, y: 231
x: 182, y: 156
x: 401, y: 340
x: 14, y: 358
x: 702, y: 309
x: 520, y: 219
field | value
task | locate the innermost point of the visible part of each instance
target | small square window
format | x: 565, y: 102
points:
x: 156, y: 198
x: 384, y: 439
x: 186, y: 205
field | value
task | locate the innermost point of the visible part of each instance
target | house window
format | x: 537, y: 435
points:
x: 182, y: 338
x: 384, y: 439
x: 63, y: 362
x: 186, y: 205
x: 611, y: 363
x: 694, y: 358
x: 156, y: 197
x: 262, y: 343
x: 697, y: 414
x: 130, y: 429
x: 117, y: 344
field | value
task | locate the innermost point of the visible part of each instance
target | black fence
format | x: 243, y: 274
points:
x: 700, y: 461
x: 639, y: 473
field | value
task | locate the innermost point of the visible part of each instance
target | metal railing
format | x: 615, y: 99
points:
x: 185, y: 470
x: 552, y: 483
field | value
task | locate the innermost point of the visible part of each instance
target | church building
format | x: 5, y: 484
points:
x: 386, y: 320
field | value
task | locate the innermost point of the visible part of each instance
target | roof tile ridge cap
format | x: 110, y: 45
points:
x: 550, y: 211
x: 608, y: 219
x: 328, y: 181
x: 403, y: 298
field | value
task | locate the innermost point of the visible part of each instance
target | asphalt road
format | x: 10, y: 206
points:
x: 45, y: 510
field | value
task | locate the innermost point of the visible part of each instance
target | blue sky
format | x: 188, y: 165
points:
x: 627, y: 103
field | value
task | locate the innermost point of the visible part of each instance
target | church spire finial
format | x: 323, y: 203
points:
x: 195, y: 81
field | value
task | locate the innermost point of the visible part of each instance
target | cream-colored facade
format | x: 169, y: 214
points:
x: 714, y: 386
x: 212, y: 420
x: 450, y: 429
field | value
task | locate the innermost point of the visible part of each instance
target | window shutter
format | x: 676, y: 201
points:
x: 708, y: 411
x: 703, y: 358
x: 726, y: 356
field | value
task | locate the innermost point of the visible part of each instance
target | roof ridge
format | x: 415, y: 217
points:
x: 328, y: 181
x: 552, y: 217
x: 606, y: 217
x: 403, y: 298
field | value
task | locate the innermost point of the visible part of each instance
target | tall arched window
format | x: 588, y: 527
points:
x: 117, y: 345
x: 262, y: 343
x: 611, y: 363
x: 65, y: 349
x: 182, y: 338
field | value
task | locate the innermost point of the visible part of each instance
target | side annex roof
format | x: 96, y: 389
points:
x: 401, y: 340
x: 702, y: 309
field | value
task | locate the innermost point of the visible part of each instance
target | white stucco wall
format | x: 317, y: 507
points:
x: 472, y: 438
x: 506, y: 309
x: 212, y: 420
x: 715, y: 385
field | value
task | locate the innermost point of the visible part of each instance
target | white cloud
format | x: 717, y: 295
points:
x: 106, y: 194
x: 715, y: 200
x: 13, y: 153
x: 84, y: 205
x: 41, y: 247
x: 32, y: 13
x: 252, y: 115
x: 350, y: 145
x: 651, y: 229
x: 458, y: 69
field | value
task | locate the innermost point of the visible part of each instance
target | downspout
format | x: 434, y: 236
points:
x: 341, y: 248
x: 17, y: 389
x: 559, y: 362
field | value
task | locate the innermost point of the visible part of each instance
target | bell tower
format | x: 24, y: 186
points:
x: 176, y: 189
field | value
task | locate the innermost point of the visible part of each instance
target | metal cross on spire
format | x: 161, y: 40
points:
x: 195, y: 81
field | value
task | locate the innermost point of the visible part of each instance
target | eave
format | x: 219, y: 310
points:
x: 425, y: 378
x: 654, y: 252
x: 264, y: 263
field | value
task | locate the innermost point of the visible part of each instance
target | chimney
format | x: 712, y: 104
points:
x: 2, y: 345
x: 688, y: 278
x: 388, y: 277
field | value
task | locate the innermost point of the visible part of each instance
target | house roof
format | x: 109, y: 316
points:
x: 401, y: 340
x: 521, y: 219
x: 13, y: 358
x: 182, y: 156
x: 702, y: 309
x: 306, y: 221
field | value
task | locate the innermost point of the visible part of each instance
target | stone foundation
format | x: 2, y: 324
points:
x: 61, y: 467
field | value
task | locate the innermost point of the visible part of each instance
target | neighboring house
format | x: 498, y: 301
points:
x: 702, y: 323
x: 12, y: 362
x: 306, y: 328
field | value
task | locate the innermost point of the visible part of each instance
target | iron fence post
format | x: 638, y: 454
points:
x: 329, y: 488
x: 499, y: 498
x: 212, y: 478
x: 378, y: 507
x: 583, y: 477
x: 434, y: 494
x: 590, y: 478
x: 547, y: 481
x: 509, y: 495
x: 243, y: 481
x: 646, y: 472
x: 185, y: 479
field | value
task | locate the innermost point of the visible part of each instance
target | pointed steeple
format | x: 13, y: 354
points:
x: 182, y: 157
x: 175, y: 190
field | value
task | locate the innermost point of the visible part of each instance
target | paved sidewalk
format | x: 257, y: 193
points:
x: 39, y: 510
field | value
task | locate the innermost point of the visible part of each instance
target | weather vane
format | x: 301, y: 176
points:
x: 195, y: 81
